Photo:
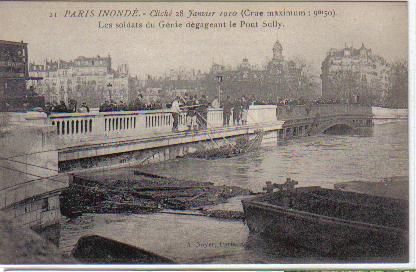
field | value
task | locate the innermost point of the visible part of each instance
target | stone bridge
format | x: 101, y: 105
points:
x: 114, y: 139
x: 309, y: 120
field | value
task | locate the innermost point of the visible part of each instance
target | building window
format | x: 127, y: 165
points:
x: 45, y: 204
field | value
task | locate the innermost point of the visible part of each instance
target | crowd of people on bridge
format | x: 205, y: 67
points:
x: 137, y: 104
x: 62, y: 107
x: 106, y: 106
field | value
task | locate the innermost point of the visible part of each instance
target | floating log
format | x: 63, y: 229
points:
x: 224, y: 214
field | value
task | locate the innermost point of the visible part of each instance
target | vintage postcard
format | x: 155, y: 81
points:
x: 204, y: 133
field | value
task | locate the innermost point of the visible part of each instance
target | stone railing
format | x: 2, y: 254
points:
x: 113, y: 124
x: 258, y: 114
x: 214, y: 118
x: 322, y: 110
x: 386, y: 113
x: 81, y: 127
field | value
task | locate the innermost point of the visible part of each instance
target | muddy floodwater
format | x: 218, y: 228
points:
x: 369, y: 154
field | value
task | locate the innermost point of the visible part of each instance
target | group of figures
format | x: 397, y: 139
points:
x: 62, y: 107
x: 137, y: 104
x: 197, y: 110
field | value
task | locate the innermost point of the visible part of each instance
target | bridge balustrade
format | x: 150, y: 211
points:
x: 82, y: 127
x: 78, y: 128
x: 73, y: 124
x: 214, y: 118
x: 323, y: 110
x: 118, y: 123
x: 258, y: 114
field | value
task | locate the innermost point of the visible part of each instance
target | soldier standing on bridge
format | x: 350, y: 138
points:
x: 226, y: 111
x: 175, y: 110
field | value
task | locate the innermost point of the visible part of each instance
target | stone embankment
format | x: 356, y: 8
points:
x: 24, y: 246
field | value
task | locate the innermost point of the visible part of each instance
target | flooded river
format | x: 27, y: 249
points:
x: 369, y: 154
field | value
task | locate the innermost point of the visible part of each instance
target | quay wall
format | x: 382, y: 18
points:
x: 30, y: 179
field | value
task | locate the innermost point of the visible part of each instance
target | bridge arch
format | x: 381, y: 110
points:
x: 337, y: 128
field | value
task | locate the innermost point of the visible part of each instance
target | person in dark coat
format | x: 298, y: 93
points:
x: 61, y: 107
x: 245, y: 107
x: 104, y: 107
x: 226, y: 111
x: 138, y: 103
x: 237, y: 109
x: 84, y: 108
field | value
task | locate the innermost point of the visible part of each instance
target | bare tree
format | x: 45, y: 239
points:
x: 309, y: 82
x: 397, y: 94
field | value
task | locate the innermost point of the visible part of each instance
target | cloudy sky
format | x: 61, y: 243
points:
x: 381, y: 26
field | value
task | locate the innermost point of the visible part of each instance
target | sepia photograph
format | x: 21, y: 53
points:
x: 180, y: 133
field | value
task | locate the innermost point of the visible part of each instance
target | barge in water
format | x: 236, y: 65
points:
x: 331, y: 221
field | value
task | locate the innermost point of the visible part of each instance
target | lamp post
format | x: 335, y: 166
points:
x: 109, y: 85
x: 219, y: 79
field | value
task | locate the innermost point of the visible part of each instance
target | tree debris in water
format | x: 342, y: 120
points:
x: 242, y: 145
x: 141, y: 193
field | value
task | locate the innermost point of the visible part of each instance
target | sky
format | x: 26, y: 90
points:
x: 381, y: 26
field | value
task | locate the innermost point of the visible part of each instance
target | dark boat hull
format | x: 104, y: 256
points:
x: 326, y: 234
x: 98, y: 249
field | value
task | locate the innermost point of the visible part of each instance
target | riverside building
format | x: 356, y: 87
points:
x: 89, y: 79
x: 354, y: 75
x: 278, y: 79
